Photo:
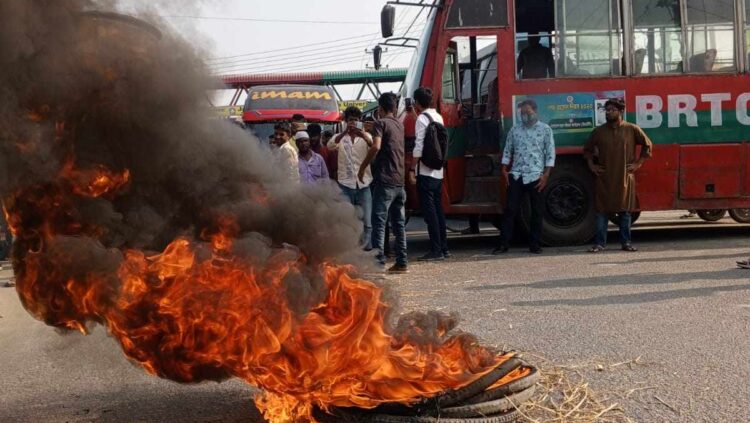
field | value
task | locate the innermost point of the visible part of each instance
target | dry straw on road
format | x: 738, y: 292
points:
x: 563, y: 396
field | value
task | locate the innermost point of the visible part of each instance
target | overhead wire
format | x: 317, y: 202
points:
x: 294, y: 68
x: 318, y: 43
x: 247, y: 66
x: 274, y: 67
x: 228, y: 18
x: 292, y: 59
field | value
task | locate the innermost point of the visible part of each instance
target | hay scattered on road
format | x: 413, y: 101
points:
x: 563, y: 396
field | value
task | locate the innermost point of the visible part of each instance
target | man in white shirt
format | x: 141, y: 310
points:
x: 285, y: 154
x: 352, y: 146
x: 429, y: 181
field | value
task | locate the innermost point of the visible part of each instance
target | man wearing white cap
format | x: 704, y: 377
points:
x: 312, y: 166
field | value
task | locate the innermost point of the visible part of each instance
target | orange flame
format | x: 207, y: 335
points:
x: 94, y: 182
x: 201, y: 310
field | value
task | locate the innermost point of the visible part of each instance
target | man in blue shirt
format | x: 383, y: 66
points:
x: 530, y: 154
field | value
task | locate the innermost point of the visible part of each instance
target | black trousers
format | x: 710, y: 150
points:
x: 516, y: 192
x: 430, y: 198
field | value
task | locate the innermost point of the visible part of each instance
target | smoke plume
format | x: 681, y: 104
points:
x: 131, y: 207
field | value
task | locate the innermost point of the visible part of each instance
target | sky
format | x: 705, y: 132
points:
x: 246, y: 36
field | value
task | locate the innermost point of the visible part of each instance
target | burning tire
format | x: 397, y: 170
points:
x: 486, y: 400
x: 509, y: 417
x: 489, y: 408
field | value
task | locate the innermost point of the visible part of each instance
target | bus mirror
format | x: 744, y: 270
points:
x: 377, y: 54
x: 387, y: 20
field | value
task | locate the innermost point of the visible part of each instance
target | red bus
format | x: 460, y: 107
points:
x: 681, y: 66
x: 267, y: 105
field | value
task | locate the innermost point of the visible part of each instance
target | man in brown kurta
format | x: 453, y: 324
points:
x: 611, y: 155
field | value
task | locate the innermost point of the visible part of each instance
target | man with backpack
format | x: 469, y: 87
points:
x: 430, y: 148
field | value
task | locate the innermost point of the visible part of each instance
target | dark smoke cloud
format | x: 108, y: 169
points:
x: 93, y: 90
x: 137, y: 101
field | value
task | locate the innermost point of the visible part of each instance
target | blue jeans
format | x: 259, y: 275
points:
x: 430, y: 200
x: 362, y: 199
x: 602, y: 221
x: 389, y: 201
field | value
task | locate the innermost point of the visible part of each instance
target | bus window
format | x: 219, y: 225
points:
x: 476, y: 77
x: 657, y: 37
x: 590, y: 37
x: 534, y: 59
x: 450, y: 83
x: 710, y: 35
x: 477, y: 14
x: 535, y: 24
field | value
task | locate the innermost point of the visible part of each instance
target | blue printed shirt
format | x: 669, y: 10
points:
x: 530, y: 150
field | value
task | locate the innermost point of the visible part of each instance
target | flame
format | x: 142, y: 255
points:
x: 201, y: 310
x: 189, y: 316
x: 95, y: 181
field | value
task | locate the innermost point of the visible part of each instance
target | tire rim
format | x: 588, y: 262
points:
x: 743, y: 214
x: 566, y: 204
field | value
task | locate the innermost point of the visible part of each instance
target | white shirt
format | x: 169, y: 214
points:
x: 351, y: 156
x: 287, y: 160
x: 421, y: 127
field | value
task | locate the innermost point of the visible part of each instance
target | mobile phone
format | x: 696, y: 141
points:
x: 359, y: 125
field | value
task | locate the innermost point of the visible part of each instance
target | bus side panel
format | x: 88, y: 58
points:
x: 711, y: 171
x: 656, y: 181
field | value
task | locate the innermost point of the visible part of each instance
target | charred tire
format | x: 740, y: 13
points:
x: 516, y: 386
x: 740, y: 215
x: 510, y: 402
x: 484, y: 382
x: 615, y: 217
x: 712, y: 215
x: 509, y: 417
x: 568, y: 205
x: 431, y: 406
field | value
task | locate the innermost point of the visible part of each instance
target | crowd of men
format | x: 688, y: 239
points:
x: 367, y: 162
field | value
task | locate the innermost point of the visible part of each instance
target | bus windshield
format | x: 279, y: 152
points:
x: 280, y: 102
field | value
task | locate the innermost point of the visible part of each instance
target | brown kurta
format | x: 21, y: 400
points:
x: 614, y: 147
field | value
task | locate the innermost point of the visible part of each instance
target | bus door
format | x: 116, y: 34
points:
x: 474, y: 174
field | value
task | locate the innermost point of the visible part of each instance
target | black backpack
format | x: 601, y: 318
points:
x: 435, y: 145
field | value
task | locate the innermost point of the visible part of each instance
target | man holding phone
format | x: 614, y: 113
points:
x: 352, y: 146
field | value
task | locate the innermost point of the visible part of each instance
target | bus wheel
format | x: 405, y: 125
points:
x: 569, y: 215
x: 712, y: 215
x: 740, y: 215
x: 615, y: 217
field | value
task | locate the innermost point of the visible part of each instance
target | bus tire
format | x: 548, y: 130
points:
x: 712, y: 215
x: 615, y: 217
x: 568, y: 204
x: 740, y: 215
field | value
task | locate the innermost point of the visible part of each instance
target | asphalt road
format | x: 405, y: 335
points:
x: 679, y: 305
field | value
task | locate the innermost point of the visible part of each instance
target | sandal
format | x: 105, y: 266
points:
x: 629, y: 248
x: 596, y: 249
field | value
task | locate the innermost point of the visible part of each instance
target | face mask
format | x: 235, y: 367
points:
x: 528, y: 118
